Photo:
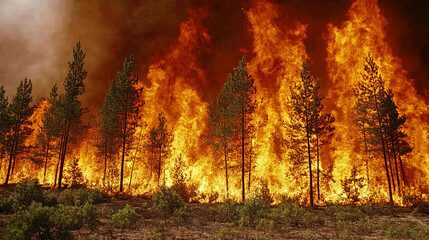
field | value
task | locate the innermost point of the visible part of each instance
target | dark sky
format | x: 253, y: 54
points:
x: 36, y: 38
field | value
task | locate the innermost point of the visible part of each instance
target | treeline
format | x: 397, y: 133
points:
x: 118, y: 129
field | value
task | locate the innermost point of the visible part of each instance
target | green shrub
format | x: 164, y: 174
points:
x: 167, y: 200
x: 181, y: 180
x: 5, y: 205
x: 124, y: 217
x: 155, y: 234
x: 79, y: 197
x: 25, y: 193
x: 346, y: 213
x: 74, y: 217
x: 405, y: 231
x: 294, y: 215
x: 251, y: 213
x: 36, y: 222
x: 50, y: 198
x: 229, y: 211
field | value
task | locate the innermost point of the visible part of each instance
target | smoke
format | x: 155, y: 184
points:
x: 36, y: 38
x: 27, y: 43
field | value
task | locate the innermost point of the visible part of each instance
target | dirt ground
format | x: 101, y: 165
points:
x: 204, y: 222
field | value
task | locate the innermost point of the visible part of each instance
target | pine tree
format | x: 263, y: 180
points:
x: 74, y: 174
x: 108, y: 142
x: 20, y: 111
x: 395, y: 136
x: 70, y: 110
x: 5, y: 123
x: 323, y: 128
x: 304, y: 106
x: 244, y: 104
x: 49, y: 131
x: 159, y: 144
x: 222, y: 125
x: 370, y: 94
x: 128, y: 102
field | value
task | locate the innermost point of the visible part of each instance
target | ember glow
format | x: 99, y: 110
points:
x: 176, y: 82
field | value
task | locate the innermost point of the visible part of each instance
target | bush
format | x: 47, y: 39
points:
x: 253, y: 213
x: 5, y: 205
x: 168, y: 201
x: 346, y: 213
x: 181, y: 180
x: 50, y: 198
x: 37, y: 222
x: 79, y: 197
x: 294, y: 215
x: 229, y: 210
x: 124, y: 217
x: 25, y: 193
x: 73, y: 217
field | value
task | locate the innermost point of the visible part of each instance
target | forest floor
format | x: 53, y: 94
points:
x: 213, y: 221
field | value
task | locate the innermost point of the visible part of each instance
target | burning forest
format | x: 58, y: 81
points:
x: 264, y: 122
x: 299, y: 120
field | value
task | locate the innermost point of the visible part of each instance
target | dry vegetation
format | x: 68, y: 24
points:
x: 166, y: 216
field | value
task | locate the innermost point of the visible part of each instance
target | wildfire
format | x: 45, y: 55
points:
x: 175, y: 79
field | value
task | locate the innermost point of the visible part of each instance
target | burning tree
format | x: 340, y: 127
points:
x: 221, y: 117
x: 243, y: 91
x: 127, y: 95
x: 20, y: 111
x: 309, y: 121
x: 323, y: 129
x: 49, y: 131
x: 108, y: 129
x: 74, y: 174
x: 396, y: 138
x: 68, y: 109
x: 5, y: 122
x: 378, y: 119
x: 158, y: 144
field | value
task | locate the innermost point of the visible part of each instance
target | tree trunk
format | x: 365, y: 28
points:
x: 400, y: 160
x: 159, y: 162
x: 105, y: 159
x: 318, y: 171
x: 391, y: 169
x: 46, y: 160
x: 250, y: 162
x: 12, y: 150
x: 243, y: 195
x: 309, y: 162
x: 226, y: 171
x: 134, y: 160
x: 384, y: 152
x: 124, y: 138
x: 63, y: 154
x: 396, y: 167
x: 366, y: 150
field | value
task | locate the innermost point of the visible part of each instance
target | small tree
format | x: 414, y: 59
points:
x: 68, y: 109
x: 222, y: 125
x: 49, y: 131
x: 351, y: 186
x: 323, y: 128
x: 73, y: 173
x: 395, y: 136
x: 370, y: 94
x: 5, y: 122
x: 243, y: 91
x: 304, y: 105
x: 108, y: 128
x: 159, y: 144
x: 181, y: 177
x: 128, y: 99
x: 20, y: 111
